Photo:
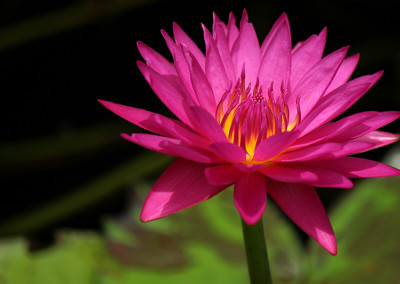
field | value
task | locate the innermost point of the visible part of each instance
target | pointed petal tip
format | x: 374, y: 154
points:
x: 140, y: 44
x: 327, y: 241
x: 284, y: 16
x: 107, y: 104
x: 332, y: 250
x: 245, y: 15
x: 140, y: 64
x: 125, y: 136
x: 144, y: 219
x: 146, y: 216
x: 344, y: 49
x: 379, y: 73
x: 215, y: 17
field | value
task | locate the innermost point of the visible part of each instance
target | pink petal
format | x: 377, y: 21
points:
x: 344, y: 72
x: 250, y: 197
x: 276, y: 63
x: 156, y: 61
x: 224, y: 174
x: 337, y: 102
x: 282, y: 20
x: 373, y: 123
x: 221, y: 46
x: 324, y: 151
x: 181, y: 186
x: 156, y: 123
x: 378, y: 139
x: 170, y: 146
x: 307, y: 55
x: 272, y: 146
x: 171, y: 96
x: 201, y: 86
x: 180, y: 64
x: 218, y: 22
x: 205, y: 124
x: 248, y: 168
x: 215, y: 69
x: 315, y: 82
x: 246, y: 52
x: 302, y: 204
x: 306, y: 174
x: 181, y: 38
x: 331, y: 131
x: 228, y: 152
x: 353, y: 167
x: 233, y: 31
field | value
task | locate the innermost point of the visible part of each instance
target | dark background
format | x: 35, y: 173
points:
x: 58, y: 57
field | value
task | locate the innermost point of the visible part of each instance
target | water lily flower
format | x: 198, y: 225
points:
x: 258, y: 117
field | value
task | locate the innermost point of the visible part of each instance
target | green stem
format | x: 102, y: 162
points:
x: 256, y: 252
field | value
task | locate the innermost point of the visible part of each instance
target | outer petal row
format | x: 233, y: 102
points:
x: 181, y: 186
x: 302, y: 204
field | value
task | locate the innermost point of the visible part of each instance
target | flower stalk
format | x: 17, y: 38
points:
x: 256, y: 253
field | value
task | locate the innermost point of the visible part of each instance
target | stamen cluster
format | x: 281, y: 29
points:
x: 248, y: 117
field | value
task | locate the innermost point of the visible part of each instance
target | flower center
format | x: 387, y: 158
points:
x: 247, y: 116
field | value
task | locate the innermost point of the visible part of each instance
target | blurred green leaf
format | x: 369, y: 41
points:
x: 366, y: 224
x: 75, y: 260
x: 202, y: 244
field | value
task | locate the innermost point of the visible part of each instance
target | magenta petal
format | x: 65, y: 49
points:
x: 353, y: 167
x: 250, y: 197
x: 156, y: 123
x: 246, y: 52
x: 171, y: 96
x: 272, y: 146
x: 315, y: 82
x: 334, y: 131
x: 248, y: 168
x: 200, y: 84
x: 282, y: 20
x: 221, y: 46
x: 181, y: 38
x: 180, y: 64
x: 224, y: 174
x: 232, y: 31
x: 206, y: 124
x: 171, y: 147
x: 329, y: 150
x: 351, y: 127
x: 181, y: 186
x: 337, y: 102
x: 276, y: 64
x: 344, y: 72
x: 215, y: 69
x: 306, y: 55
x: 302, y: 204
x: 156, y: 61
x: 378, y: 139
x: 306, y: 174
x: 228, y: 152
x: 380, y: 119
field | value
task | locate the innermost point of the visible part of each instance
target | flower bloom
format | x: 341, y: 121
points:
x: 259, y: 118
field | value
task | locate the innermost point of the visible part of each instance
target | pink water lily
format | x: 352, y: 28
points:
x: 257, y: 117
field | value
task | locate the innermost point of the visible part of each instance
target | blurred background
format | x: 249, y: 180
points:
x: 72, y: 188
